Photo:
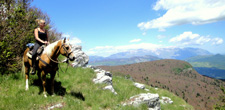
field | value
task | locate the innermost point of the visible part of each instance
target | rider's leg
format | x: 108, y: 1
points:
x: 34, y: 55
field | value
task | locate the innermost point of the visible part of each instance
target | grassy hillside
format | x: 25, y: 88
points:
x: 209, y: 61
x: 177, y: 77
x: 75, y: 91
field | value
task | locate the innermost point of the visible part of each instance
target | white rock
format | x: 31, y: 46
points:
x: 81, y: 59
x: 104, y: 79
x: 166, y: 100
x: 100, y: 75
x: 110, y: 87
x: 152, y: 100
x: 146, y: 89
x: 138, y: 85
x: 97, y: 70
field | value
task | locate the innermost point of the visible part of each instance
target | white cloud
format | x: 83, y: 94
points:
x: 75, y: 41
x: 109, y: 50
x: 181, y: 12
x: 217, y: 41
x: 188, y: 38
x: 72, y: 40
x: 135, y: 40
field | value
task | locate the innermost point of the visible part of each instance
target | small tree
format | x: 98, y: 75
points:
x: 17, y: 24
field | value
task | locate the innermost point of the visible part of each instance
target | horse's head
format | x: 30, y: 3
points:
x: 66, y: 50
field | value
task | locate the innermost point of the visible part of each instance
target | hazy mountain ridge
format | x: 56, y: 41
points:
x: 161, y: 53
x: 123, y: 61
x: 176, y: 76
x: 216, y: 61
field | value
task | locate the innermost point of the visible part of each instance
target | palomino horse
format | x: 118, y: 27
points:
x: 49, y: 63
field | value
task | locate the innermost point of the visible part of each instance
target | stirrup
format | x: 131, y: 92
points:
x: 33, y: 71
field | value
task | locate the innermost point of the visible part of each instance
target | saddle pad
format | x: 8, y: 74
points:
x: 30, y: 56
x: 39, y: 51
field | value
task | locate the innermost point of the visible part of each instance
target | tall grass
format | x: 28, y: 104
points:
x: 75, y: 90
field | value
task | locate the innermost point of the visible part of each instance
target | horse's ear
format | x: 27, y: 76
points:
x: 64, y: 41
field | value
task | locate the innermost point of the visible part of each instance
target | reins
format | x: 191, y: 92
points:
x: 67, y: 54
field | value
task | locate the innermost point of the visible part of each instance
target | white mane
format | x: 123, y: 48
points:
x: 48, y: 50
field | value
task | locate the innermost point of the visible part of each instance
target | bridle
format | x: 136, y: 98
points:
x: 67, y: 54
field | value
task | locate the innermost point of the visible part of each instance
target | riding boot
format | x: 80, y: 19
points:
x: 34, y: 66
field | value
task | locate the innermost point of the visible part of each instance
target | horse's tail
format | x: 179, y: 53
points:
x: 23, y: 67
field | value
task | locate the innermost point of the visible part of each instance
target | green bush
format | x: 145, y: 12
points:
x: 16, y: 30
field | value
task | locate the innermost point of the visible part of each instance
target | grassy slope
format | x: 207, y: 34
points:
x: 75, y: 90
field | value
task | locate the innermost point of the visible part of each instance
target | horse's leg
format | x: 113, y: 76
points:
x: 52, y: 82
x: 39, y: 75
x: 43, y: 77
x: 27, y: 69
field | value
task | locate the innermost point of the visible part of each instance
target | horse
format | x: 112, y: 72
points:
x: 48, y: 62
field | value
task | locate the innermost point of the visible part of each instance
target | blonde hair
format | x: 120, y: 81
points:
x: 40, y: 21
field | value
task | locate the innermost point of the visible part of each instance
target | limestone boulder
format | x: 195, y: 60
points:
x: 152, y: 100
x: 138, y: 85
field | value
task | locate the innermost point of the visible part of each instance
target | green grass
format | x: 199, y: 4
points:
x: 76, y: 91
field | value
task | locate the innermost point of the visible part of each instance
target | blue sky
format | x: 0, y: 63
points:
x: 105, y: 27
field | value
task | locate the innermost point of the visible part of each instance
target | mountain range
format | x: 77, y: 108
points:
x: 163, y: 53
x: 121, y: 61
x: 202, y: 60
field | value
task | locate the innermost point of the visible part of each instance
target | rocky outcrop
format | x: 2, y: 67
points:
x: 141, y: 86
x: 138, y: 85
x: 103, y: 76
x: 81, y: 59
x: 152, y: 100
x: 166, y: 100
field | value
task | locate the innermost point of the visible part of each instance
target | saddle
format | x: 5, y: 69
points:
x: 39, y: 51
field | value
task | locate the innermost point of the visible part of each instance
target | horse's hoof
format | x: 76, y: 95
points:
x: 27, y: 89
x: 53, y: 95
x: 45, y: 94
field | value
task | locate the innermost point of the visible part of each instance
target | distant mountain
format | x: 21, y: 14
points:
x: 96, y: 58
x: 142, y: 55
x: 122, y: 61
x: 165, y: 53
x: 210, y: 61
x: 176, y: 76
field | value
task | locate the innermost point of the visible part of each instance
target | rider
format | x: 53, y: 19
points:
x: 41, y: 38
